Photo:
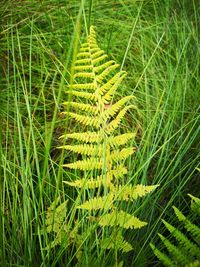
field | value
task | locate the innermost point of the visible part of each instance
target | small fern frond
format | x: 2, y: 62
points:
x: 115, y: 123
x: 88, y: 96
x: 122, y: 154
x: 116, y: 241
x: 86, y: 120
x: 83, y: 107
x: 113, y: 109
x: 87, y: 137
x: 129, y: 192
x: 96, y: 203
x: 122, y: 219
x: 192, y: 228
x: 86, y: 149
x: 119, y: 140
x: 119, y: 172
x: 55, y: 216
x: 195, y: 204
x: 163, y: 257
x: 110, y: 86
x: 183, y: 240
x: 100, y: 180
x: 87, y: 164
x: 186, y: 251
x: 111, y: 90
x: 83, y: 86
x: 177, y: 254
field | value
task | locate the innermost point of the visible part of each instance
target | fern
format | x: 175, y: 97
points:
x: 101, y: 144
x: 186, y: 250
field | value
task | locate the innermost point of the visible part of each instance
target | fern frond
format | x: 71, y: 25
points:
x: 83, y: 61
x: 116, y: 107
x: 84, y: 75
x: 192, y: 228
x: 163, y: 257
x: 96, y: 203
x: 106, y: 72
x: 118, y: 155
x: 186, y: 251
x: 108, y: 96
x: 90, y: 150
x: 190, y: 246
x: 94, y: 81
x: 114, y: 123
x: 99, y: 59
x: 119, y: 140
x: 55, y: 215
x: 119, y: 171
x: 177, y: 254
x: 122, y: 219
x: 87, y: 137
x: 129, y: 192
x: 85, y: 86
x: 195, y: 204
x: 111, y: 86
x: 101, y: 180
x: 87, y: 164
x: 83, y: 67
x: 103, y: 66
x: 86, y: 120
x: 116, y: 241
x: 88, y: 96
x: 83, y: 107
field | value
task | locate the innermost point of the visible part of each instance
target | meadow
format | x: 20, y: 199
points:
x: 157, y: 44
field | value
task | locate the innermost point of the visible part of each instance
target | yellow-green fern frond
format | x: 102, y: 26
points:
x: 89, y: 96
x: 83, y: 107
x: 122, y: 219
x: 115, y: 123
x: 86, y: 149
x: 129, y: 192
x: 110, y: 86
x: 86, y: 120
x: 113, y: 109
x: 96, y: 203
x: 116, y: 241
x: 87, y: 137
x: 56, y: 215
x: 83, y: 86
x: 87, y: 164
x: 92, y: 89
x: 121, y: 139
x: 122, y: 154
x: 119, y: 171
x: 101, y: 180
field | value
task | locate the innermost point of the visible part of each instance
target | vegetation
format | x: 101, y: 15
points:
x: 157, y: 44
x: 186, y: 250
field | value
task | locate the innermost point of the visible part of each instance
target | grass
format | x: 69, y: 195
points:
x: 158, y: 45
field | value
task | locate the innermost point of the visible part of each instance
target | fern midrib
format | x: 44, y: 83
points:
x: 101, y: 109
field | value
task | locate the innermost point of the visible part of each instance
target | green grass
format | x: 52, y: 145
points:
x: 157, y: 43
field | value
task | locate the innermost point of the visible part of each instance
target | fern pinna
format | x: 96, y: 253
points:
x: 185, y: 249
x: 101, y: 144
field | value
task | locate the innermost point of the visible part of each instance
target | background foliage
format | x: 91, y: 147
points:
x: 157, y: 43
